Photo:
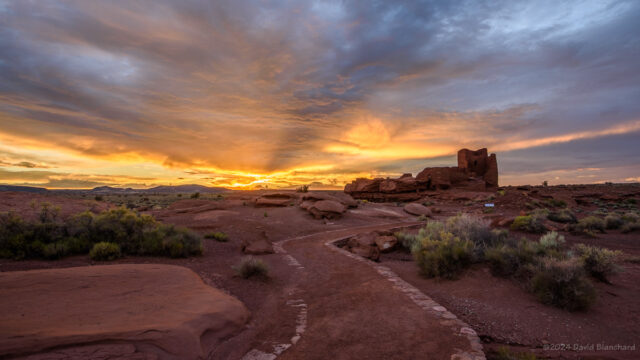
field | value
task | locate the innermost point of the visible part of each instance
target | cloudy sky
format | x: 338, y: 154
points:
x: 278, y: 93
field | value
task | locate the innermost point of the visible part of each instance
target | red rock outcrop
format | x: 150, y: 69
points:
x: 476, y: 171
x: 122, y: 311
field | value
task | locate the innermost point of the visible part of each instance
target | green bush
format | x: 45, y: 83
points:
x: 217, y: 236
x: 589, y: 225
x: 613, y: 221
x: 562, y: 216
x: 598, y: 262
x: 406, y: 240
x: 529, y: 223
x: 134, y: 233
x: 630, y: 227
x: 555, y: 203
x: 252, y: 267
x: 563, y: 283
x: 443, y: 255
x: 631, y: 217
x: 511, y: 259
x: 105, y: 251
x: 55, y: 250
x: 180, y: 242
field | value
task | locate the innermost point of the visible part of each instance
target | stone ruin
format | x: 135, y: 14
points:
x: 476, y: 171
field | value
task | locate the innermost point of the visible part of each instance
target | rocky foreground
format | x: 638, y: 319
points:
x: 132, y: 311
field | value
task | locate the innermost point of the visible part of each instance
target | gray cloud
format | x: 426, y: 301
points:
x: 265, y: 85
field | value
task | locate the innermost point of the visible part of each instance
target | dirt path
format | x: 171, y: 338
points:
x: 351, y: 308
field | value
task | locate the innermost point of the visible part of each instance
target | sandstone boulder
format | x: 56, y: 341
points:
x: 369, y: 252
x: 363, y: 240
x: 259, y: 246
x: 327, y: 209
x: 306, y: 204
x: 275, y: 200
x: 364, y: 245
x: 417, y: 209
x: 346, y: 200
x: 140, y: 311
x: 386, y: 243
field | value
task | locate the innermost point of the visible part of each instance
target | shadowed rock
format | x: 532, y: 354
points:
x: 417, y: 209
x: 119, y: 311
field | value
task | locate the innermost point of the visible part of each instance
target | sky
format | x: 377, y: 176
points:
x: 277, y: 93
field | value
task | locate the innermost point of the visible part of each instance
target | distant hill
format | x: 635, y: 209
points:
x: 22, y: 188
x: 114, y: 190
x: 185, y: 189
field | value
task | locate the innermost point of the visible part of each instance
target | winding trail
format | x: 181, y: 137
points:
x: 352, y: 308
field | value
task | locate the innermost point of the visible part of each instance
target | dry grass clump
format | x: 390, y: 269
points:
x: 218, y: 236
x: 251, y: 267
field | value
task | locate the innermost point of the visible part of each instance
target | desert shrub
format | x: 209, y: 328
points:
x: 55, y: 250
x: 217, y: 236
x: 630, y: 227
x: 589, y: 225
x: 613, y: 221
x: 423, y: 218
x: 98, y: 198
x: 563, y: 283
x: 180, y: 242
x: 252, y: 267
x: 195, y: 195
x: 631, y: 217
x: 302, y: 188
x: 473, y: 229
x: 13, y: 236
x: 444, y: 255
x: 511, y: 258
x: 598, y: 262
x: 551, y: 241
x: 406, y: 240
x: 134, y: 233
x: 555, y: 203
x: 562, y: 216
x: 105, y: 251
x: 529, y: 223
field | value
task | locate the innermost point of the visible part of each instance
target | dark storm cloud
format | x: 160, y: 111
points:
x: 266, y: 85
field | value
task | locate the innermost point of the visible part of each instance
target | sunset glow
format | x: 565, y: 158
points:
x: 277, y: 94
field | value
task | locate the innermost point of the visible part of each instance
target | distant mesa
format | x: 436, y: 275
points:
x: 178, y: 189
x: 476, y: 171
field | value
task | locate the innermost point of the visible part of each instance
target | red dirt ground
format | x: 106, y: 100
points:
x: 500, y: 310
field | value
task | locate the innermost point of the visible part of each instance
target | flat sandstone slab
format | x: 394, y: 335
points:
x: 163, y: 311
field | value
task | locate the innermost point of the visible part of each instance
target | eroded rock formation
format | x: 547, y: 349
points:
x: 476, y: 171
